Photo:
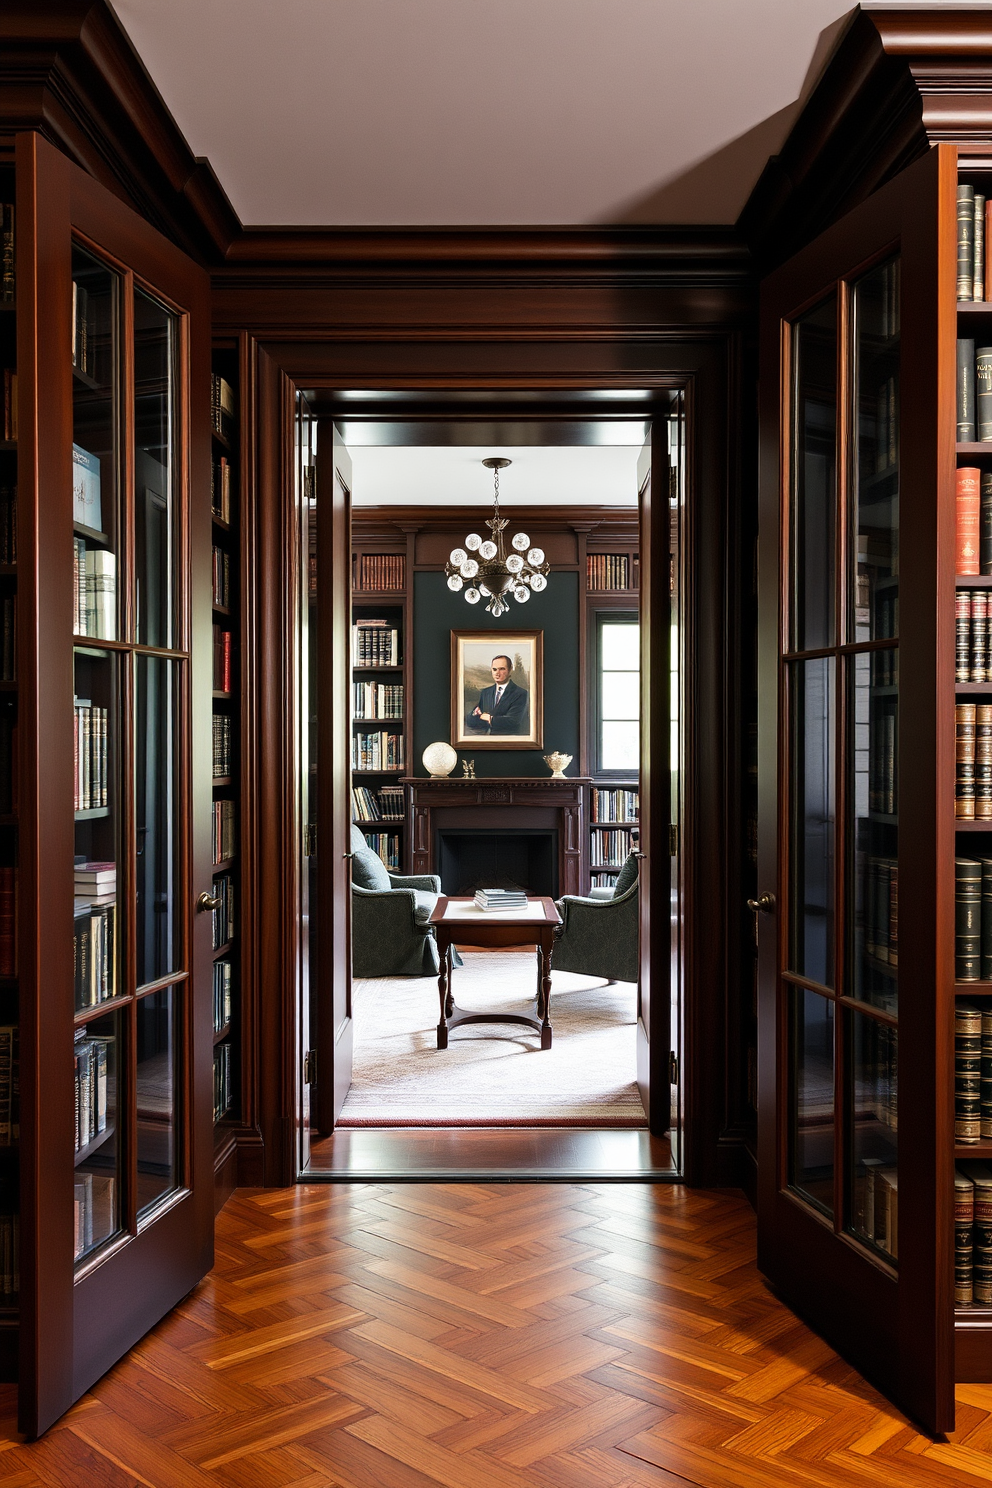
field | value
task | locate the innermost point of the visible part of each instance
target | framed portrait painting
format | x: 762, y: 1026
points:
x: 497, y: 689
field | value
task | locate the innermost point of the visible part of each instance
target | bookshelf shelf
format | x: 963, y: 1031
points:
x: 222, y: 781
x: 975, y: 448
x: 364, y: 668
x: 92, y: 813
x: 225, y: 866
x: 973, y: 989
x: 966, y: 825
x: 222, y: 697
x: 223, y: 950
x: 223, y: 1033
x: 222, y: 440
x: 220, y: 524
x: 221, y: 609
x: 91, y: 534
x: 94, y: 1144
x: 973, y: 581
x: 85, y: 380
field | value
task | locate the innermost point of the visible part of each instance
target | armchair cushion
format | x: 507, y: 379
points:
x: 423, y: 908
x: 627, y: 876
x: 368, y: 871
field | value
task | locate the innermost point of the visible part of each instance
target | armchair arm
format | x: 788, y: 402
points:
x: 387, y: 909
x: 428, y: 881
x: 601, y: 892
x: 598, y: 937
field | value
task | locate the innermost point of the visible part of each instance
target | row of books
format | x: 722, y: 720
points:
x: 8, y: 921
x: 222, y: 1080
x: 972, y: 214
x: 374, y: 643
x: 90, y: 725
x: 607, y: 571
x: 973, y: 919
x: 974, y: 384
x: 223, y: 992
x: 220, y: 489
x: 604, y: 878
x: 878, y: 447
x: 224, y: 845
x: 386, y: 845
x: 377, y: 699
x: 610, y: 849
x: 10, y: 1259
x: 92, y: 1076
x: 9, y: 404
x: 222, y: 745
x: 973, y: 761
x: 87, y: 501
x: 222, y: 918
x: 8, y: 522
x: 881, y: 909
x: 614, y: 805
x: 10, y: 1113
x: 972, y: 1235
x: 973, y: 501
x: 883, y: 765
x: 8, y: 282
x: 876, y: 1204
x: 222, y: 659
x: 83, y: 347
x: 388, y: 803
x: 220, y: 579
x: 972, y: 1072
x: 94, y: 944
x: 94, y: 591
x: 223, y: 407
x: 878, y: 1076
x: 94, y: 1211
x: 380, y: 571
x: 377, y: 751
x: 972, y: 636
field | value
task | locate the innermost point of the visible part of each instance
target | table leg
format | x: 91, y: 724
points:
x: 545, y: 955
x: 443, y: 993
x: 450, y: 1006
x: 540, y: 978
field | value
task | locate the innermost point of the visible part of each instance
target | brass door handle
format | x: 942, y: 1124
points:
x: 347, y: 855
x: 764, y: 904
x: 206, y: 901
x: 640, y: 855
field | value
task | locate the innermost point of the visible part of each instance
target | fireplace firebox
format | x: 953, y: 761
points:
x: 510, y: 858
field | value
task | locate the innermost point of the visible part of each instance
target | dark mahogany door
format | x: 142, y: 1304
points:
x: 335, y: 1031
x: 855, y: 1133
x: 115, y: 771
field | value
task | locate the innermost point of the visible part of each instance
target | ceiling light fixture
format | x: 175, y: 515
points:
x: 494, y: 574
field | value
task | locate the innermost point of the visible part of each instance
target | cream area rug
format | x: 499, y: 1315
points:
x: 494, y: 1074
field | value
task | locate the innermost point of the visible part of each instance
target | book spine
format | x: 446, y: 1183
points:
x: 967, y: 920
x: 967, y: 1073
x: 979, y: 634
x: 966, y: 391
x: 983, y: 392
x: 978, y: 272
x: 964, y: 1226
x: 962, y: 635
x: 968, y: 504
x: 966, y: 242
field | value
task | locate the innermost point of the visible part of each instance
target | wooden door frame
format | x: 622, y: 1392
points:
x: 705, y: 368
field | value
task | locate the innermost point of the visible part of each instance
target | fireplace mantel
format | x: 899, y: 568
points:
x: 489, y: 804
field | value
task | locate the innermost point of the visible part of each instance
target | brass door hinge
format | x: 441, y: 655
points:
x: 310, y: 1067
x: 673, y: 1068
x: 673, y: 840
x: 310, y: 840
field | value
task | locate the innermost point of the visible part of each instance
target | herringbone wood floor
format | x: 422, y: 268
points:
x: 488, y: 1336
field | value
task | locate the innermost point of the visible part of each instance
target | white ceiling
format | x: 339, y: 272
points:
x: 539, y: 476
x: 473, y: 112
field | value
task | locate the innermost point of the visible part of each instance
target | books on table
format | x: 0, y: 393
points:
x: 496, y: 899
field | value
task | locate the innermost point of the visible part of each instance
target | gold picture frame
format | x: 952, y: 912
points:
x: 477, y: 722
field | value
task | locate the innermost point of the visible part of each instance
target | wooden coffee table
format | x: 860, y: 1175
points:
x: 458, y: 920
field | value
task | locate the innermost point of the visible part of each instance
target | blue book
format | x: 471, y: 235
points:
x: 86, y: 504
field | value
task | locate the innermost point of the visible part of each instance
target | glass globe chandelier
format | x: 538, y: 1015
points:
x: 486, y: 567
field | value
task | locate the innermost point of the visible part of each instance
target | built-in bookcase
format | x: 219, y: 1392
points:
x: 611, y: 569
x: 381, y: 702
x: 613, y: 829
x: 226, y: 603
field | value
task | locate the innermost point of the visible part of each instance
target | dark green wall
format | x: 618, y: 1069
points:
x: 437, y: 612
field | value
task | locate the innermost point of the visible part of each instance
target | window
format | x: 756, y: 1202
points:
x: 618, y: 685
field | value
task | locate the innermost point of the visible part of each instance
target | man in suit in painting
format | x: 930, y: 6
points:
x: 503, y: 708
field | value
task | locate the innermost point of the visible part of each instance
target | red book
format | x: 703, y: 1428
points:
x: 969, y: 503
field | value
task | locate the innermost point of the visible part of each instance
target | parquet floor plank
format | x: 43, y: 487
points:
x: 488, y: 1336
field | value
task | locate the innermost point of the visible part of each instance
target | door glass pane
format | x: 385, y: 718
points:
x: 97, y: 1180
x: 156, y: 811
x: 96, y: 925
x: 158, y: 1066
x: 155, y: 330
x: 814, y: 477
x: 873, y: 927
x: 872, y: 1089
x: 811, y: 1124
x: 95, y: 341
x: 875, y: 551
x: 811, y: 819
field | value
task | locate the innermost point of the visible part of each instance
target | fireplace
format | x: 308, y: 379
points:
x: 509, y: 858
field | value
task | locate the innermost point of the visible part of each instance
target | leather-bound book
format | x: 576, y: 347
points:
x: 985, y: 1094
x: 968, y: 489
x: 966, y: 242
x: 964, y: 1240
x: 962, y: 635
x: 967, y: 919
x: 978, y: 275
x: 966, y: 390
x: 967, y: 1073
x: 981, y: 1175
x: 979, y: 635
x: 964, y: 763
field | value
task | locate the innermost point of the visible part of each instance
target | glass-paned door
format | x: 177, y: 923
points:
x: 853, y: 1214
x: 115, y: 586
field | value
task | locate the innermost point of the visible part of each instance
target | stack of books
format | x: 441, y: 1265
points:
x: 491, y: 899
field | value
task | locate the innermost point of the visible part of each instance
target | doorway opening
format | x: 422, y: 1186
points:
x: 379, y: 1092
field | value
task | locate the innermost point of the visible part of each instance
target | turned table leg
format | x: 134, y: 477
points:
x: 443, y: 955
x: 545, y: 996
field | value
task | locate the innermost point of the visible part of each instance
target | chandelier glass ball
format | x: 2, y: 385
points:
x: 496, y: 573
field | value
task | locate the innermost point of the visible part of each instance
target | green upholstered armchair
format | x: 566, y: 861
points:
x: 598, y: 936
x: 390, y: 935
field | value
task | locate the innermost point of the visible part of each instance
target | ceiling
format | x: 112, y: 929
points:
x: 485, y: 112
x: 539, y: 476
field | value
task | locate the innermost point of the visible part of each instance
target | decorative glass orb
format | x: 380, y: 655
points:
x: 522, y: 593
x: 521, y: 541
x: 514, y: 563
x: 473, y: 596
x: 473, y: 542
x: 457, y: 557
x: 484, y: 589
x: 455, y: 582
x: 535, y: 557
x: 439, y: 759
x: 469, y: 569
x: 488, y: 550
x: 537, y: 582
